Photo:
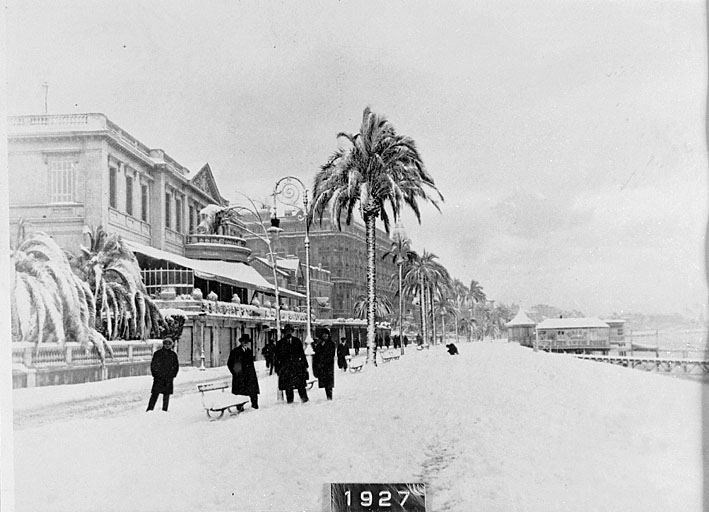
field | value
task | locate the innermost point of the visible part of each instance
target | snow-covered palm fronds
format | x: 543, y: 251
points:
x: 50, y: 304
x: 123, y: 309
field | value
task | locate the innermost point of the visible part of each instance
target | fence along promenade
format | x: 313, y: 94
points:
x: 653, y: 362
x: 71, y: 362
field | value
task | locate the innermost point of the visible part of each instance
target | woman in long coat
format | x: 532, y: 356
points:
x: 291, y: 365
x: 324, y: 362
x: 243, y: 372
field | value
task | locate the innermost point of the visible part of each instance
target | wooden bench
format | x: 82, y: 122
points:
x: 390, y: 356
x: 356, y: 365
x: 216, y: 399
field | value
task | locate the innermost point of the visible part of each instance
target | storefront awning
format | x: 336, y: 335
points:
x: 235, y: 274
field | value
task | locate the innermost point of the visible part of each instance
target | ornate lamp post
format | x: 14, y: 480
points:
x: 253, y: 211
x: 291, y: 191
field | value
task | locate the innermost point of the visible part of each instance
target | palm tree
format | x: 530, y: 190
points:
x: 399, y: 254
x: 460, y: 296
x: 378, y: 169
x: 420, y: 272
x: 49, y: 303
x: 476, y: 295
x: 122, y: 307
x: 381, y: 311
x: 445, y: 307
x: 439, y: 283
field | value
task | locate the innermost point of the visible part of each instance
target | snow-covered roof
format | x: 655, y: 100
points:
x: 521, y: 319
x: 267, y: 262
x: 288, y: 263
x: 571, y: 323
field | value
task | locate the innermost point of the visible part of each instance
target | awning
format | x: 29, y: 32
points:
x: 235, y: 274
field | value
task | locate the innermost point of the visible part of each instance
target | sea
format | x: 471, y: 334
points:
x: 676, y: 343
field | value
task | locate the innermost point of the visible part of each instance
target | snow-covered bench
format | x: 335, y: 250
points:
x: 356, y: 365
x: 216, y: 399
x: 390, y: 356
x: 423, y: 346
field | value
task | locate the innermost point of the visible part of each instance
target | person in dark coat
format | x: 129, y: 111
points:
x: 164, y: 367
x: 291, y: 365
x: 355, y: 344
x: 243, y: 371
x: 452, y: 349
x: 269, y: 352
x: 324, y: 362
x: 342, y: 352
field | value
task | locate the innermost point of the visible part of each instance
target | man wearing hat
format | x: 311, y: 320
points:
x: 324, y: 362
x: 163, y: 367
x: 243, y: 372
x: 291, y: 365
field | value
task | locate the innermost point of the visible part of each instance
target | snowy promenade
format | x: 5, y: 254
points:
x: 498, y: 428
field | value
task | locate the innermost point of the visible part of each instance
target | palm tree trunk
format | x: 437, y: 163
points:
x: 443, y: 327
x: 369, y: 221
x: 456, y: 328
x: 433, y: 315
x: 472, y: 313
x: 422, y: 307
x: 401, y: 307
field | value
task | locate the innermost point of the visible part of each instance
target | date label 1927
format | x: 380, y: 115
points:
x: 377, y: 497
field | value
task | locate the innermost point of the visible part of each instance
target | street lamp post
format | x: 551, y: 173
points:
x: 267, y: 240
x: 290, y: 190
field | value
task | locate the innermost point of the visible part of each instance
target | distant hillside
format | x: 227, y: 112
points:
x: 543, y: 311
x: 660, y: 322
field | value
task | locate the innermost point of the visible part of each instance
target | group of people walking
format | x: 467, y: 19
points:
x: 286, y: 357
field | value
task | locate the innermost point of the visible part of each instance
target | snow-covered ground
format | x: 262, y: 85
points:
x: 498, y: 428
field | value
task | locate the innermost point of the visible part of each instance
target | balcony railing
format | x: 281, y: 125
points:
x: 49, y: 120
x: 249, y: 311
x: 215, y: 239
x: 573, y: 344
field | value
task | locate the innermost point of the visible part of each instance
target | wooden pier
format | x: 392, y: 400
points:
x: 656, y: 364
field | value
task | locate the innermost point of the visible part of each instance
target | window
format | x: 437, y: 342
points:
x: 129, y: 195
x: 144, y: 203
x: 168, y: 219
x: 61, y: 179
x: 112, y: 177
x: 178, y: 215
x: 190, y: 213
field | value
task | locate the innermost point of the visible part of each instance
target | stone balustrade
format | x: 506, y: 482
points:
x: 48, y: 355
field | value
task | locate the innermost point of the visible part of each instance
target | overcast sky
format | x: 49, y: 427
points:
x: 567, y: 137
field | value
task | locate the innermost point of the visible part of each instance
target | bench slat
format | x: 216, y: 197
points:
x: 214, y: 386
